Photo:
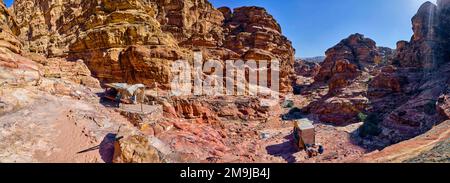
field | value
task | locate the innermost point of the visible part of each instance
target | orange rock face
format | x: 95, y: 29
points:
x: 140, y: 64
x: 254, y: 34
x: 9, y: 31
x: 76, y: 72
x: 387, y: 82
x: 194, y: 23
x: 306, y: 69
x: 345, y: 72
x: 346, y: 61
x: 101, y: 32
x: 135, y: 149
x: 14, y: 68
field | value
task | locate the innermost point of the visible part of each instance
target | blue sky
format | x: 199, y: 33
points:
x: 316, y: 25
x: 8, y: 2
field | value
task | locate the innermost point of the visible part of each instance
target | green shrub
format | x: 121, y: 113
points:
x: 370, y: 127
x: 288, y: 104
x: 362, y: 116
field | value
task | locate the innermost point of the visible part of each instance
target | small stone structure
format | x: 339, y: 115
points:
x: 304, y: 133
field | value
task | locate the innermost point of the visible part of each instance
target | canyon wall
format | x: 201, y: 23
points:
x: 405, y: 93
x: 14, y: 68
x: 136, y: 41
x: 410, y: 94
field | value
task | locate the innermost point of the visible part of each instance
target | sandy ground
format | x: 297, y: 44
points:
x: 338, y: 147
x: 54, y: 130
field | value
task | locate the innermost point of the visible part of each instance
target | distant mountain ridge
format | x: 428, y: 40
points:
x: 316, y: 59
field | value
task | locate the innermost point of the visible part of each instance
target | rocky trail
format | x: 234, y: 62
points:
x: 54, y: 130
x: 49, y: 130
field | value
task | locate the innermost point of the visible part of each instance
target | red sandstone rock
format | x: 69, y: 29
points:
x: 106, y: 29
x: 345, y: 71
x: 306, y: 69
x: 346, y: 60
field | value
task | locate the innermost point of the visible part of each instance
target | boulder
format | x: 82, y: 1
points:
x: 135, y: 149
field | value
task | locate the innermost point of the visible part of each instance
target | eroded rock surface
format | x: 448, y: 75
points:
x: 112, y: 36
x: 345, y: 73
x: 418, y: 80
x: 49, y: 51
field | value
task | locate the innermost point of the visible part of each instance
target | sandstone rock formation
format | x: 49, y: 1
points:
x: 406, y: 92
x: 347, y: 60
x: 306, y: 69
x: 305, y: 72
x: 255, y: 35
x: 408, y: 96
x: 111, y: 27
x: 9, y: 31
x: 422, y: 50
x: 14, y: 68
x: 135, y: 149
x: 444, y: 26
x: 136, y: 41
x: 76, y: 72
x: 345, y: 72
x: 194, y: 23
x: 387, y: 55
x: 443, y: 104
x: 63, y: 43
x: 411, y: 94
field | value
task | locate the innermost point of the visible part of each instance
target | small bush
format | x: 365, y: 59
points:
x: 362, y: 116
x: 288, y: 104
x: 371, y: 126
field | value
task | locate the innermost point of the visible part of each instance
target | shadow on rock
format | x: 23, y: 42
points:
x: 293, y: 114
x: 106, y: 148
x: 106, y: 102
x: 286, y: 150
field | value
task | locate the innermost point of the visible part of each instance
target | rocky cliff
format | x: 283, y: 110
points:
x: 14, y: 68
x: 404, y: 93
x: 9, y: 31
x: 344, y: 73
x: 410, y: 94
x: 347, y: 60
x: 255, y: 35
x: 305, y: 68
x: 136, y: 40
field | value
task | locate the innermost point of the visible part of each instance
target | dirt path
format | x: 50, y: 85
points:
x: 47, y: 131
x: 278, y: 147
x: 338, y: 146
